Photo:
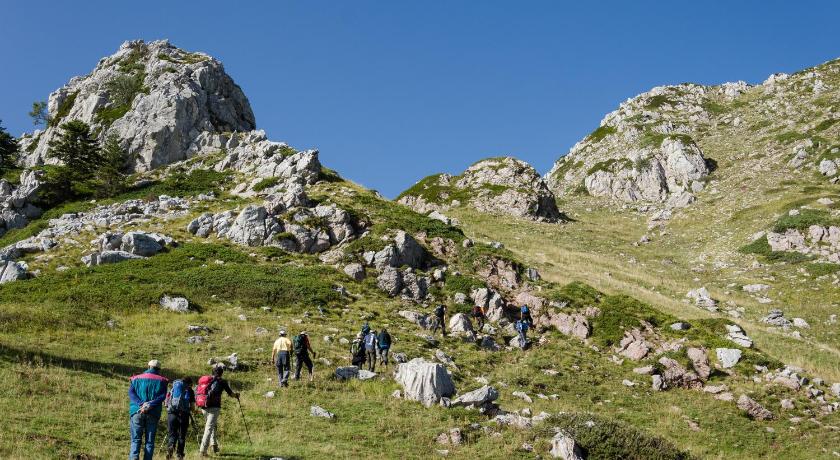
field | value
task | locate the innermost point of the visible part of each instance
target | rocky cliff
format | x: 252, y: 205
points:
x: 164, y: 105
x: 501, y: 185
x: 652, y: 149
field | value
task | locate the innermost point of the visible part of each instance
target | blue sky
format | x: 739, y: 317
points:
x: 392, y: 91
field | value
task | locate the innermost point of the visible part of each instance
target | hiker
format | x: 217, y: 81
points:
x: 281, y: 357
x: 525, y: 315
x: 479, y: 316
x: 146, y: 393
x: 440, y: 320
x: 180, y: 402
x: 522, y: 327
x: 302, y: 349
x: 211, y: 387
x: 357, y: 351
x: 371, y: 344
x: 384, y: 340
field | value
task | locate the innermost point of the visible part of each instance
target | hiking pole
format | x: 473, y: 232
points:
x: 243, y: 422
x: 195, y: 428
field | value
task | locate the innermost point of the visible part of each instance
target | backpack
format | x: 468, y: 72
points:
x: 525, y: 310
x: 439, y: 311
x: 370, y: 341
x: 203, y: 390
x: 476, y: 311
x: 178, y: 399
x: 298, y: 344
x: 384, y: 340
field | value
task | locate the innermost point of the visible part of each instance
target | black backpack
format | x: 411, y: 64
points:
x: 299, y: 344
x: 439, y: 311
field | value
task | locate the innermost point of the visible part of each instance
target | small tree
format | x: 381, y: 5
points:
x: 77, y: 149
x: 111, y: 173
x: 8, y: 150
x: 39, y: 113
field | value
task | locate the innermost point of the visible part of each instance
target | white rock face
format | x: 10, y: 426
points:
x: 424, y: 381
x: 176, y: 304
x: 184, y: 105
x: 728, y: 357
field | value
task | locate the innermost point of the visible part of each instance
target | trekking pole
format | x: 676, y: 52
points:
x: 195, y: 428
x: 243, y: 421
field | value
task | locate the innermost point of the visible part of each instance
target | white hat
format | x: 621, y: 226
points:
x: 154, y: 364
x: 282, y: 332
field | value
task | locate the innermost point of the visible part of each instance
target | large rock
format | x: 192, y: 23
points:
x: 476, y: 398
x: 460, y: 323
x: 11, y: 271
x: 141, y: 244
x: 390, y: 281
x: 754, y: 409
x: 108, y: 257
x: 424, y: 381
x: 181, y: 104
x: 700, y: 362
x: 496, y: 185
x: 176, y: 304
x: 563, y: 446
x: 253, y: 227
x: 575, y: 324
x: 728, y: 357
x: 675, y: 375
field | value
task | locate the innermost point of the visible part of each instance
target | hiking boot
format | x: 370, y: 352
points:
x: 169, y: 453
x: 215, y: 449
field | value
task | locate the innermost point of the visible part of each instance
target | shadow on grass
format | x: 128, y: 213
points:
x: 113, y: 370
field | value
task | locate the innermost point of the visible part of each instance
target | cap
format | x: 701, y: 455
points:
x: 303, y: 333
x: 154, y: 364
x: 282, y: 332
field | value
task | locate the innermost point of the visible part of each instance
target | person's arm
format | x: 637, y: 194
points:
x: 230, y: 392
x: 132, y: 395
x: 309, y: 346
x: 273, y: 354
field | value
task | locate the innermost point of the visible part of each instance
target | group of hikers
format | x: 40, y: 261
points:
x: 368, y: 345
x: 148, y: 395
x: 149, y: 392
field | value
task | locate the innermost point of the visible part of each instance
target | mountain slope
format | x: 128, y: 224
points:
x: 257, y: 236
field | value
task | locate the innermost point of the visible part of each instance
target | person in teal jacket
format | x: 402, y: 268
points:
x: 146, y: 393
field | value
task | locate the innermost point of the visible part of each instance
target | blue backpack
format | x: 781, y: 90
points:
x: 179, y: 398
x: 525, y: 310
x: 370, y: 341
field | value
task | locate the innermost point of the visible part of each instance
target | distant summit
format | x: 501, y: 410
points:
x: 163, y: 103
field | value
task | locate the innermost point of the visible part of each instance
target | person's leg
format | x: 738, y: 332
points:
x: 136, y: 432
x: 214, y: 438
x: 184, y: 425
x: 298, y: 366
x: 309, y: 367
x: 172, y: 425
x: 383, y: 355
x: 151, y: 429
x: 205, y: 438
x: 285, y: 365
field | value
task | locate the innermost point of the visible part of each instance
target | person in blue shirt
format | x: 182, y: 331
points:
x: 146, y: 393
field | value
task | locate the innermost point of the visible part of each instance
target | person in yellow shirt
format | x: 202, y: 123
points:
x: 281, y: 356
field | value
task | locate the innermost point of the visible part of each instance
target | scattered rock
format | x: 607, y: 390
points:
x: 728, y: 357
x: 176, y: 304
x: 563, y: 446
x: 754, y: 409
x: 317, y: 411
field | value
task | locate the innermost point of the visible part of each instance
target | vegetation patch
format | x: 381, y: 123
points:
x: 600, y: 133
x: 805, y: 219
x: 268, y: 182
x: 63, y: 109
x: 611, y: 165
x: 604, y: 438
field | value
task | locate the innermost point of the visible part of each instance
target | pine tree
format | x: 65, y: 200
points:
x: 8, y: 150
x: 111, y: 173
x: 39, y: 113
x: 77, y: 149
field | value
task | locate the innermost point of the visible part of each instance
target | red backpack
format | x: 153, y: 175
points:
x: 202, y: 390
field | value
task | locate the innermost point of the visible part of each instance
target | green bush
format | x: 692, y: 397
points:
x: 805, y: 219
x: 600, y: 133
x: 268, y: 182
x: 818, y: 269
x: 606, y: 439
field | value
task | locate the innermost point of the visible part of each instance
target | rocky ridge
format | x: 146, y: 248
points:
x: 502, y: 185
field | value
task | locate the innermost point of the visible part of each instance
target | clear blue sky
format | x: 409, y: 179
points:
x: 392, y: 91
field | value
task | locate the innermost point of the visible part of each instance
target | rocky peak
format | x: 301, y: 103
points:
x: 502, y: 185
x: 164, y: 104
